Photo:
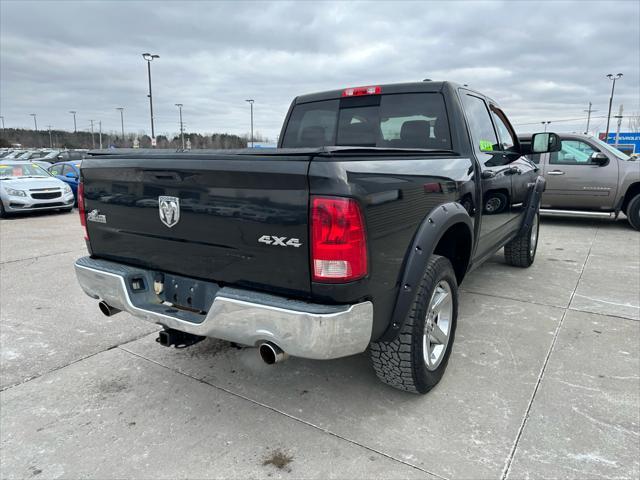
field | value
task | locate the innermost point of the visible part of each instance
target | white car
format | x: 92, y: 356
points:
x: 25, y: 187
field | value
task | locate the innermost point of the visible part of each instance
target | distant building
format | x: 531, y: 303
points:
x: 628, y: 142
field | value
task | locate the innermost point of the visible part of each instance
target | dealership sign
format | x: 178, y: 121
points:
x: 627, y: 142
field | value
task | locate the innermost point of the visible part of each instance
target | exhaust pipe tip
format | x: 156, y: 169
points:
x: 107, y: 309
x: 271, y: 353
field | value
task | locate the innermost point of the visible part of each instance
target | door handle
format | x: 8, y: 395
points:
x: 512, y: 171
x: 555, y: 172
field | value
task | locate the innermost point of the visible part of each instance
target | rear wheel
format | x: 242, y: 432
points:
x: 416, y: 360
x: 521, y: 251
x: 633, y: 212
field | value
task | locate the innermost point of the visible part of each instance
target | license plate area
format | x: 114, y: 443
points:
x: 186, y: 293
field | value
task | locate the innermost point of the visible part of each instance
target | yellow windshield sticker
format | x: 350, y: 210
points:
x: 486, y: 146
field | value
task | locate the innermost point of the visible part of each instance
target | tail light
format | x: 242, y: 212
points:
x: 81, y: 210
x: 360, y: 91
x: 338, y: 240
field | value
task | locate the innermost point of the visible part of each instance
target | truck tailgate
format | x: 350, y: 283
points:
x: 226, y: 204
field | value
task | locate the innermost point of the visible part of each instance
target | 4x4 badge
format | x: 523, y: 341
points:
x: 169, y: 210
x: 280, y: 241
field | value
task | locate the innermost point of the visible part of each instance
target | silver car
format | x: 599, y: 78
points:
x: 25, y: 187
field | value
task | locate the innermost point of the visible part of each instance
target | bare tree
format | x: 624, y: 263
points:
x: 634, y: 122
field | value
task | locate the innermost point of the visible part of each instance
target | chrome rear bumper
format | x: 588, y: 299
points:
x: 301, y: 329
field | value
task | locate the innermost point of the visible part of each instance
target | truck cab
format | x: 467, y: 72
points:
x: 589, y: 176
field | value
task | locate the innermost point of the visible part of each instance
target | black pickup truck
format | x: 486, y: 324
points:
x: 354, y: 233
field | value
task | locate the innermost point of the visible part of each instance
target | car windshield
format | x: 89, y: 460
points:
x: 18, y: 170
x: 407, y: 120
x: 612, y: 149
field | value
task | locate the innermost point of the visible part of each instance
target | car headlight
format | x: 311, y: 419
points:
x: 15, y: 193
x: 67, y: 189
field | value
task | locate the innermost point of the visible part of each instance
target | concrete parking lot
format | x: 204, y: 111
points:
x: 543, y: 381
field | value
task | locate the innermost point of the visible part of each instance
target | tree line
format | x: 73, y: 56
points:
x: 62, y: 139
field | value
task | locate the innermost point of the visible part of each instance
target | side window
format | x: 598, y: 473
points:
x: 505, y: 132
x: 573, y: 152
x: 68, y: 169
x: 482, y: 133
x: 55, y: 170
x: 312, y: 125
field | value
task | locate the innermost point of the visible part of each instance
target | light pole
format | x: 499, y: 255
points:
x: 121, y: 122
x: 100, y: 126
x: 251, y: 103
x: 589, y: 112
x: 149, y: 58
x: 35, y: 122
x: 613, y: 78
x: 73, y: 112
x: 545, y: 124
x: 93, y: 140
x: 179, y: 105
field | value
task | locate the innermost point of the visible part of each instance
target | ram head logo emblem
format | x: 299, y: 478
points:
x: 169, y: 210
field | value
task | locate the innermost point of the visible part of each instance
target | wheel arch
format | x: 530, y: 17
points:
x: 447, y: 231
x: 632, y: 191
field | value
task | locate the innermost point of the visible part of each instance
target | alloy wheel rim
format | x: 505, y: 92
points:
x: 437, y: 325
x: 492, y: 205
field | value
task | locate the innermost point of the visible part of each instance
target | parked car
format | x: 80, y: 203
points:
x: 32, y: 155
x: 51, y: 156
x: 13, y: 154
x: 6, y: 152
x: 354, y: 233
x: 589, y: 176
x: 71, y: 155
x: 68, y: 172
x: 26, y: 187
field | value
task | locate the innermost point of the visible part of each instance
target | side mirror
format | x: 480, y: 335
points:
x: 599, y: 158
x: 71, y: 175
x: 546, y: 142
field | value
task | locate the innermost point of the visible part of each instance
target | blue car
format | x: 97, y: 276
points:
x: 69, y: 173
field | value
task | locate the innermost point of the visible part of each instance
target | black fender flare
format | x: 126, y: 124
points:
x: 429, y: 233
x: 533, y: 203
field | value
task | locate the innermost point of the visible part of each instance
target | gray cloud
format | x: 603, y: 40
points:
x: 540, y: 60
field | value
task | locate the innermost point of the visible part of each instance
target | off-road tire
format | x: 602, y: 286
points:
x: 633, y: 212
x: 400, y: 363
x: 521, y: 251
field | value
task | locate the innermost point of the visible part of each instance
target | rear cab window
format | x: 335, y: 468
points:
x: 402, y: 120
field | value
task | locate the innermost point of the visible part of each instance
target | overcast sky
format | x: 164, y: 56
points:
x: 539, y: 60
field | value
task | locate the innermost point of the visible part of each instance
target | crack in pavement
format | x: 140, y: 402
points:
x: 73, y: 362
x: 37, y: 257
x: 509, y: 460
x: 273, y: 409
